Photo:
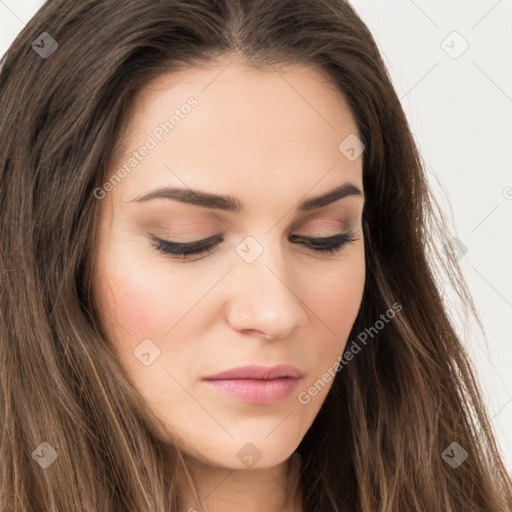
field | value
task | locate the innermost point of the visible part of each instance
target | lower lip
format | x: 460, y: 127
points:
x: 256, y: 391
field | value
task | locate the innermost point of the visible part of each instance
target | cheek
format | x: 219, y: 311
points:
x: 127, y: 300
x: 340, y: 307
x: 134, y: 305
x: 338, y: 301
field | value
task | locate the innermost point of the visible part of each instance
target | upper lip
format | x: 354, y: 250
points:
x: 258, y: 372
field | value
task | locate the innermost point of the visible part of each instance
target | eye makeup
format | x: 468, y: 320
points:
x: 326, y: 245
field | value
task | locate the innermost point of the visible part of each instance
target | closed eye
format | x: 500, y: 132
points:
x: 324, y: 245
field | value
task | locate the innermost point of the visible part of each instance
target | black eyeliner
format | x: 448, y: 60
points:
x: 184, y: 249
x: 332, y: 244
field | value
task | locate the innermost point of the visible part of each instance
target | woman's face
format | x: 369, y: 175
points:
x: 261, y: 296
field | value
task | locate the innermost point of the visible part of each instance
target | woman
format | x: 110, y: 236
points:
x: 216, y: 292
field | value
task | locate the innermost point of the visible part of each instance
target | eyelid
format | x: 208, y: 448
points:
x: 325, y: 245
x: 186, y: 246
x: 215, y: 238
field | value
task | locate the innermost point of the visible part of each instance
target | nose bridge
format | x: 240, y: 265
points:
x: 265, y: 299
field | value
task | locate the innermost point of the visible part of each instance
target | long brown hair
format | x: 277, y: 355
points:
x: 378, y: 441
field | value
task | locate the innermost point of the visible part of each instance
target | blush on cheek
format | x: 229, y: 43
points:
x: 133, y: 308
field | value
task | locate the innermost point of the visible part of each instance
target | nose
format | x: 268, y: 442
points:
x: 266, y: 298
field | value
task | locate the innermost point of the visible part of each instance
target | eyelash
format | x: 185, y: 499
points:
x: 325, y: 245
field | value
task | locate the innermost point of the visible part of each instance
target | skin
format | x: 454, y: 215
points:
x: 269, y: 138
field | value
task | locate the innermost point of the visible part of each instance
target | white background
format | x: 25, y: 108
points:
x: 460, y: 109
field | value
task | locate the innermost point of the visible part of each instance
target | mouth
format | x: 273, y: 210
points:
x: 257, y: 385
x: 255, y: 371
x: 256, y: 391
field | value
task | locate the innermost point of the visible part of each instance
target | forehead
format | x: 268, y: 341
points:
x: 274, y: 129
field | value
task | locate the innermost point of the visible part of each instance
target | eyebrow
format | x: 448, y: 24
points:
x: 234, y: 205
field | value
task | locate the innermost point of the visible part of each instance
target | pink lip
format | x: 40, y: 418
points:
x: 255, y: 371
x: 257, y: 385
x: 256, y: 391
